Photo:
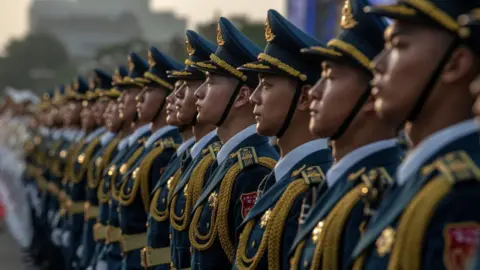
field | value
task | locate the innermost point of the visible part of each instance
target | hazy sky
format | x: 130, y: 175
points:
x: 14, y: 13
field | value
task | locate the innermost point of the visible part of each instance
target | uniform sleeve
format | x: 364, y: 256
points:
x: 158, y: 167
x: 452, y: 237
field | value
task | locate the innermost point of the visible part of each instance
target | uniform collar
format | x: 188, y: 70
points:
x: 352, y: 158
x: 230, y: 145
x: 431, y: 145
x: 185, y: 145
x: 94, y: 134
x: 44, y: 131
x: 158, y: 134
x: 78, y: 135
x: 288, y: 162
x: 138, y: 133
x: 124, y: 142
x: 198, y: 146
x: 107, y: 137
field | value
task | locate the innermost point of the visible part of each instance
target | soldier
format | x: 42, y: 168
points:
x: 183, y: 191
x: 129, y: 149
x: 282, y: 110
x: 148, y: 167
x: 100, y: 85
x: 98, y: 192
x: 423, y: 77
x: 343, y: 109
x: 244, y: 159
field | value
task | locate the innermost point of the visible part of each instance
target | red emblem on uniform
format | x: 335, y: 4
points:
x: 248, y: 201
x: 461, y: 242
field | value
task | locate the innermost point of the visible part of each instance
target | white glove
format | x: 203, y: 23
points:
x: 80, y: 251
x: 101, y: 265
x: 66, y: 239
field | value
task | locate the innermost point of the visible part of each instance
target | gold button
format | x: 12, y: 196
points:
x: 181, y: 211
x: 208, y: 225
x: 253, y: 244
x: 305, y: 263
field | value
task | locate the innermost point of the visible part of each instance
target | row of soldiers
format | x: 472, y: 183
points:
x: 171, y: 166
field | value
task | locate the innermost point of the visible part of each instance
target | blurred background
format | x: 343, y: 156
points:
x: 46, y: 42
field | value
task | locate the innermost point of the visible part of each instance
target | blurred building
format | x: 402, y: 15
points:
x: 85, y: 26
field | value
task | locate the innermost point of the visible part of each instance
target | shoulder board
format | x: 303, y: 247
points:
x: 313, y: 175
x: 166, y: 143
x: 247, y: 156
x: 455, y: 167
x: 214, y: 148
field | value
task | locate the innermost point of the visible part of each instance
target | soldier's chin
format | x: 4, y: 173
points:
x: 264, y: 130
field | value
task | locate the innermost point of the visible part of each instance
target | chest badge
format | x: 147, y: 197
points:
x: 169, y: 182
x: 385, y: 242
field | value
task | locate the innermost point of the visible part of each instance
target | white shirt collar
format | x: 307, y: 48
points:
x: 94, y: 134
x: 184, y: 146
x: 230, y: 145
x: 352, y: 158
x: 198, y: 146
x: 123, y: 143
x: 430, y: 145
x: 138, y: 133
x: 285, y: 164
x: 158, y: 134
x: 107, y: 137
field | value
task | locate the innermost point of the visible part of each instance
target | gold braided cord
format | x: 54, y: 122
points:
x: 180, y: 73
x: 73, y: 152
x: 107, y: 155
x: 333, y: 228
x: 158, y: 80
x: 189, y: 62
x: 359, y: 262
x: 192, y: 191
x: 352, y: 51
x: 276, y: 225
x: 323, y: 50
x: 242, y: 259
x: 205, y: 65
x: 281, y: 65
x: 224, y: 196
x: 140, y: 180
x: 193, y: 232
x: 89, y: 151
x: 397, y: 9
x: 102, y: 196
x: 130, y: 162
x: 232, y: 70
x: 256, y: 66
x: 161, y: 216
x: 173, y: 184
x: 413, y: 224
x: 297, y: 256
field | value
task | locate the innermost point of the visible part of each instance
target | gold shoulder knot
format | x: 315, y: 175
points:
x: 247, y: 156
x: 141, y: 140
x: 313, y: 175
x: 214, y: 148
x: 166, y: 143
x: 455, y: 167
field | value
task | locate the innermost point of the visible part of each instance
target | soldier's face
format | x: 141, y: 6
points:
x: 98, y: 111
x: 213, y: 96
x: 475, y: 91
x: 334, y: 96
x: 86, y: 115
x: 272, y: 99
x: 171, y: 108
x: 149, y: 100
x: 128, y: 108
x: 73, y: 113
x: 186, y: 100
x: 107, y: 114
x: 115, y: 121
x: 402, y: 70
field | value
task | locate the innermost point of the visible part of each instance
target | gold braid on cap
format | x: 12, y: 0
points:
x: 158, y: 80
x: 235, y: 72
x: 281, y: 65
x: 352, y: 51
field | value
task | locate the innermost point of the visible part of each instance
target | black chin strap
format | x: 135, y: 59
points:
x: 230, y: 104
x: 291, y: 111
x: 432, y: 82
x: 360, y: 102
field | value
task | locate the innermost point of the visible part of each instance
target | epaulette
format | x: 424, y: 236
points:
x: 455, y: 167
x: 214, y: 148
x: 247, y: 156
x: 166, y: 143
x: 313, y: 175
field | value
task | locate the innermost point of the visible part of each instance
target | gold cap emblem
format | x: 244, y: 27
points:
x: 347, y: 21
x: 151, y: 61
x: 190, y: 49
x: 117, y: 77
x: 131, y: 65
x: 220, y: 40
x: 269, y: 36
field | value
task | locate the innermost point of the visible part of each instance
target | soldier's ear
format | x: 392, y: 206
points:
x: 369, y: 106
x: 304, y: 100
x: 463, y: 65
x: 243, y: 96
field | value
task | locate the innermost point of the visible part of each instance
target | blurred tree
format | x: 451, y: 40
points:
x: 178, y: 49
x: 116, y: 54
x: 36, y: 62
x: 254, y: 30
